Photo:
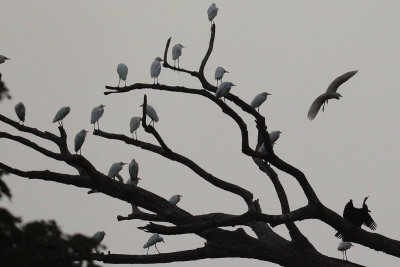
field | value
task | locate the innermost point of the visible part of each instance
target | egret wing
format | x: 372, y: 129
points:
x: 340, y: 80
x: 316, y: 105
x: 369, y: 222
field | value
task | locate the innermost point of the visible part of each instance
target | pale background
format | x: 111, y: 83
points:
x: 64, y: 53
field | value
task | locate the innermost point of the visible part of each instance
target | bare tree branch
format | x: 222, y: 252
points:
x: 167, y: 65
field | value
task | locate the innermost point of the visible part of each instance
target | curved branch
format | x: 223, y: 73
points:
x: 209, y: 50
x: 32, y: 145
x: 141, y: 216
x: 167, y: 65
x: 34, y: 131
x: 246, y: 195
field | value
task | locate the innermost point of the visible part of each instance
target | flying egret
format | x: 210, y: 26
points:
x: 79, y: 139
x: 134, y: 125
x: 258, y: 100
x: 329, y: 94
x: 98, y: 237
x: 358, y: 216
x: 122, y: 70
x: 343, y: 247
x: 153, y: 240
x: 97, y: 112
x: 177, y: 52
x: 212, y: 12
x: 61, y: 114
x: 219, y: 73
x: 175, y: 199
x: 155, y: 68
x: 20, y: 110
x: 224, y: 89
x: 151, y: 112
x: 3, y: 59
x: 273, y: 136
x: 115, y: 169
x: 133, y: 170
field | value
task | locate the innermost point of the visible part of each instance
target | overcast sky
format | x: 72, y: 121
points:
x: 64, y: 53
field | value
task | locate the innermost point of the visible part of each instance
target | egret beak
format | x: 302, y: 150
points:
x: 225, y: 71
x: 6, y: 58
x: 182, y: 46
x: 141, y: 105
x: 139, y: 178
x: 124, y: 163
x: 268, y: 94
x: 162, y: 241
x: 233, y: 84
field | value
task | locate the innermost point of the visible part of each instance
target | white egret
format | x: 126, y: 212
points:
x: 122, y: 71
x: 212, y: 12
x: 224, y: 89
x: 115, y: 169
x: 153, y: 240
x: 219, y: 73
x: 151, y: 112
x: 133, y: 169
x: 3, y: 59
x: 155, y: 68
x: 258, y: 100
x: 97, y: 112
x: 175, y: 199
x: 79, y: 139
x: 61, y: 114
x: 20, y: 110
x: 134, y: 125
x: 273, y: 136
x: 177, y: 52
x: 133, y: 182
x: 343, y: 247
x: 329, y: 94
x: 98, y: 237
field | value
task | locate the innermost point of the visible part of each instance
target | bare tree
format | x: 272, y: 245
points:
x: 220, y: 243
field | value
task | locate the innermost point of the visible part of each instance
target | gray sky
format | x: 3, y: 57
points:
x: 64, y: 53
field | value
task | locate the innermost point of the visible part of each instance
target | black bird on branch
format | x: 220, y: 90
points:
x: 358, y: 216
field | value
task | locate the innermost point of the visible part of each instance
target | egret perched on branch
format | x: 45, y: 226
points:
x: 115, y: 169
x: 79, y: 139
x: 20, y: 110
x: 329, y: 94
x: 358, y: 216
x: 273, y: 136
x: 177, y: 52
x: 3, y: 59
x: 133, y: 172
x: 175, y: 199
x: 61, y: 114
x: 155, y: 68
x: 224, y: 89
x: 153, y: 240
x: 122, y: 70
x: 151, y: 112
x: 258, y: 100
x: 98, y: 237
x: 343, y: 247
x: 97, y: 112
x: 219, y: 73
x: 134, y: 125
x: 212, y: 12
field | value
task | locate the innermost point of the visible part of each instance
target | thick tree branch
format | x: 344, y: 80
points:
x: 231, y: 220
x: 246, y: 195
x: 34, y: 131
x: 209, y: 50
x: 187, y: 255
x: 32, y: 145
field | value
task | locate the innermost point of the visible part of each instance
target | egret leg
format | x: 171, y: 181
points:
x: 346, y: 255
x: 98, y: 125
x: 148, y: 250
x: 157, y: 79
x: 343, y: 255
x: 178, y: 62
x: 174, y: 63
x: 136, y: 134
x: 119, y: 82
x: 157, y: 248
x: 258, y: 109
x: 125, y: 83
x: 80, y: 151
